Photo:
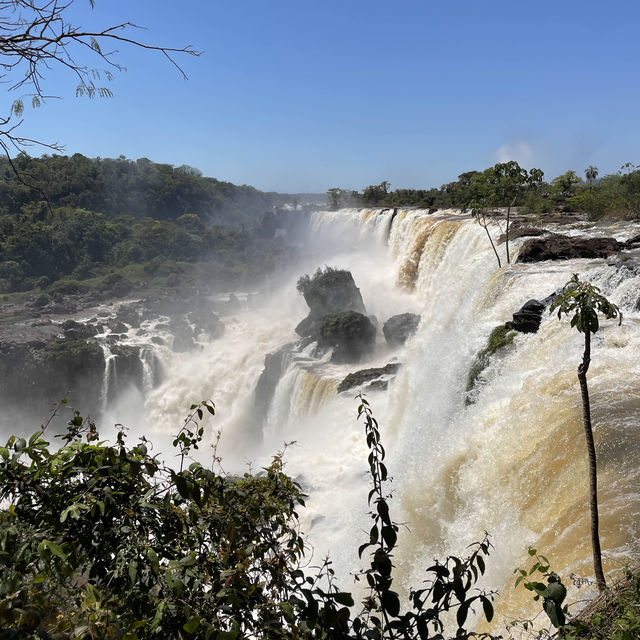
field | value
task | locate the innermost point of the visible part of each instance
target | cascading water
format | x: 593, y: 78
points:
x: 512, y: 463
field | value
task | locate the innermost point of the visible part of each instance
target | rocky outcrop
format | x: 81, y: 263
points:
x: 207, y: 322
x: 327, y: 292
x: 398, y: 329
x: 275, y: 365
x: 350, y: 333
x: 558, y: 247
x: 78, y: 330
x: 528, y: 318
x: 376, y: 378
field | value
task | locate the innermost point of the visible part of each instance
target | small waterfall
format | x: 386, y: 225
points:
x: 109, y: 377
x: 148, y: 362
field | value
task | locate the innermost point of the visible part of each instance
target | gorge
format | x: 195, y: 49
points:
x: 511, y: 461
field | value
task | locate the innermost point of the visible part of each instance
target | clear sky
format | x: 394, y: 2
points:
x: 301, y: 95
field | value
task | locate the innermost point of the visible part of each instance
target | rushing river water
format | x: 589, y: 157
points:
x: 513, y: 463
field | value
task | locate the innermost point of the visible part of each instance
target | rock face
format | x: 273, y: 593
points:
x: 398, y: 329
x: 372, y: 378
x: 528, y: 318
x: 350, y: 333
x: 327, y: 292
x: 274, y: 366
x: 558, y: 247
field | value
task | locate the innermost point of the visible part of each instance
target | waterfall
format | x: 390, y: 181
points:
x: 513, y: 463
x: 109, y: 376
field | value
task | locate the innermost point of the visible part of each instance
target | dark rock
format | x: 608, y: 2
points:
x: 522, y: 232
x: 629, y: 244
x: 128, y: 369
x: 275, y: 365
x: 129, y: 313
x: 41, y: 301
x: 398, y: 329
x: 350, y: 333
x: 117, y: 326
x: 559, y: 247
x: 528, y: 318
x: 78, y: 330
x: 371, y: 377
x: 331, y: 291
x: 158, y: 340
x: 327, y: 292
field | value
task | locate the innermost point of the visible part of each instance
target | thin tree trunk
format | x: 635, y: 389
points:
x: 493, y: 246
x: 591, y: 450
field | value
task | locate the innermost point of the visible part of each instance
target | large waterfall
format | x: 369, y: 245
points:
x: 513, y: 463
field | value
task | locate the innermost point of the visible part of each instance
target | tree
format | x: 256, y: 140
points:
x: 564, y: 183
x: 584, y: 301
x: 36, y: 36
x: 503, y: 185
x: 374, y: 194
x: 591, y: 173
x: 101, y: 540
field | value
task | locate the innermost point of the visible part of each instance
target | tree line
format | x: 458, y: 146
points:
x: 615, y: 194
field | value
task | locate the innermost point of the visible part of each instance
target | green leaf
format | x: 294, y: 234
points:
x: 191, y: 624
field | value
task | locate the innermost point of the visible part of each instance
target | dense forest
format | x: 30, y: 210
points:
x: 127, y: 221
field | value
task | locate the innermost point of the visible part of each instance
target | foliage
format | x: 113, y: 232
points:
x: 104, y: 540
x: 500, y: 337
x: 447, y: 587
x: 583, y: 301
x: 37, y: 37
x: 86, y: 232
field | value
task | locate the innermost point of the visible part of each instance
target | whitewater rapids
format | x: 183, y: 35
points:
x: 513, y: 463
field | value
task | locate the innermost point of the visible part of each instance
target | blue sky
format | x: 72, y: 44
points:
x: 303, y: 96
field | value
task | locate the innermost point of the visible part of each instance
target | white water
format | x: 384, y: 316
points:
x: 513, y: 464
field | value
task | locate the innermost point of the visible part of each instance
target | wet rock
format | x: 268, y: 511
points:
x: 128, y: 368
x: 500, y: 338
x: 398, y: 329
x: 158, y: 340
x: 528, y: 318
x: 370, y: 377
x: 327, y: 292
x: 331, y: 291
x: 78, y: 330
x: 350, y: 334
x: 522, y: 232
x: 130, y: 314
x: 117, y: 326
x: 275, y: 365
x: 559, y: 247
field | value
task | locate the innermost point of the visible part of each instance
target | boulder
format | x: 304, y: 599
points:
x: 327, y: 292
x: 528, y: 318
x: 78, y: 330
x: 130, y: 314
x: 398, y: 329
x: 558, y: 247
x: 376, y: 378
x: 117, y: 326
x: 350, y: 333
